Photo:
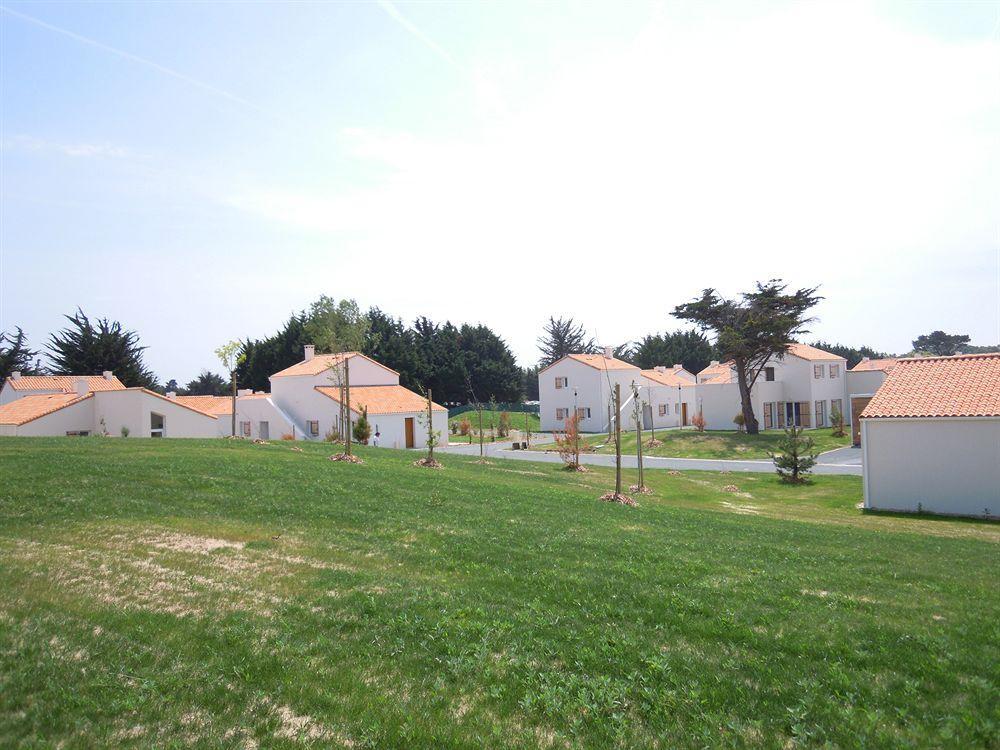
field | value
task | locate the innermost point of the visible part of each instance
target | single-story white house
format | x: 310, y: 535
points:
x: 139, y: 411
x: 257, y: 416
x: 863, y: 380
x: 18, y: 385
x: 931, y: 437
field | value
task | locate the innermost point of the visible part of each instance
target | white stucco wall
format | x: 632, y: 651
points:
x: 587, y: 382
x: 255, y: 411
x: 949, y: 466
x: 75, y: 417
x: 865, y: 382
x: 133, y: 408
x: 393, y: 429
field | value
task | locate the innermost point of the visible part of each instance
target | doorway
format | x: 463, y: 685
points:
x: 265, y: 431
x: 409, y: 432
x: 684, y: 415
x: 858, y: 404
x: 647, y: 417
x: 157, y: 425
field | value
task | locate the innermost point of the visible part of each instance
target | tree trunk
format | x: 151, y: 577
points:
x: 618, y: 439
x: 638, y: 448
x: 347, y: 404
x: 480, y: 409
x: 749, y: 420
x: 430, y: 428
x: 234, y: 402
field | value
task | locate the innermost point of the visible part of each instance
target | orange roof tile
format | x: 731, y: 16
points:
x: 804, y: 351
x: 597, y: 361
x: 872, y: 365
x: 670, y: 377
x: 966, y: 385
x: 28, y: 408
x: 64, y: 383
x: 217, y: 405
x: 322, y: 362
x: 720, y: 373
x: 381, y: 399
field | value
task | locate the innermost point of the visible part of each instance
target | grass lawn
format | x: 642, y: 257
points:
x: 516, y: 421
x: 219, y: 593
x: 688, y: 443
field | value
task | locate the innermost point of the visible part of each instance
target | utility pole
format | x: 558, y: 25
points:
x: 347, y: 399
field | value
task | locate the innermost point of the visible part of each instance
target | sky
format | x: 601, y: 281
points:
x: 200, y: 171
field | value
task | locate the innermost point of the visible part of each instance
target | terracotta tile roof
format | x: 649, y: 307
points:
x: 872, y: 365
x: 64, y: 383
x: 154, y: 394
x: 28, y: 408
x: 597, y: 361
x: 381, y: 399
x: 670, y: 377
x: 322, y: 362
x: 720, y: 373
x: 217, y: 405
x: 967, y: 385
x: 804, y: 351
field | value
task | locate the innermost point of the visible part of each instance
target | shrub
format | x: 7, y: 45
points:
x: 739, y: 420
x: 568, y: 443
x: 503, y: 427
x: 837, y: 418
x: 698, y: 420
x: 125, y: 431
x: 796, y: 456
x: 332, y: 436
x: 288, y: 436
x: 362, y: 428
x: 464, y: 426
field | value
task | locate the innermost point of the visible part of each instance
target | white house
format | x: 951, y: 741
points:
x: 931, y: 437
x: 309, y: 393
x: 257, y: 416
x: 137, y: 411
x: 18, y: 385
x: 801, y: 388
x: 863, y: 380
x: 586, y: 382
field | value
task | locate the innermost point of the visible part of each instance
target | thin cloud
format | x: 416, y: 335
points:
x: 80, y: 150
x: 136, y: 59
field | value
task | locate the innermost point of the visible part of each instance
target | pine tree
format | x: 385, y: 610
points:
x: 362, y: 428
x: 795, y: 457
x: 89, y: 348
x: 562, y: 337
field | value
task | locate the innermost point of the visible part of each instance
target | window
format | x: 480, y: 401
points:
x: 834, y: 371
x: 245, y: 428
x: 583, y: 412
x: 156, y: 425
x: 561, y: 413
x: 769, y: 415
x: 561, y: 382
x: 677, y: 408
x: 663, y: 410
x: 313, y: 427
x: 821, y: 413
x: 817, y: 371
x: 797, y: 414
x: 78, y: 433
x: 769, y: 374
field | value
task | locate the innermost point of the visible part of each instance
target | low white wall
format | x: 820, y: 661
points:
x: 392, y: 429
x: 73, y: 418
x: 133, y: 409
x: 949, y: 466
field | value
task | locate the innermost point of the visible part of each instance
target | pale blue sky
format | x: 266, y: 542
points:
x: 199, y: 171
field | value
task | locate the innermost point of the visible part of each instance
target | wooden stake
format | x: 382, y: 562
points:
x: 618, y: 439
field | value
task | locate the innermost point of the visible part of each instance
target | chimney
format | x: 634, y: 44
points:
x: 171, y: 394
x: 863, y: 359
x: 107, y: 374
x: 16, y: 375
x: 82, y: 387
x: 660, y: 368
x: 677, y: 368
x: 310, y: 351
x: 244, y: 392
x: 609, y: 352
x: 714, y: 363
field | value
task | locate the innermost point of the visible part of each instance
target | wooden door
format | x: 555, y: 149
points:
x: 858, y: 405
x: 684, y: 415
x: 647, y: 417
x: 409, y: 432
x: 265, y: 431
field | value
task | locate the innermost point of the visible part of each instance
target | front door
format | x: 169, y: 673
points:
x: 684, y: 415
x: 409, y: 432
x: 265, y: 431
x: 647, y: 417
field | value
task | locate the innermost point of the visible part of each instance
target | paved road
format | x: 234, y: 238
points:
x: 841, y: 461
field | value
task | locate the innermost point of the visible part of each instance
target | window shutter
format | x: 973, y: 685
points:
x: 804, y: 414
x: 781, y: 414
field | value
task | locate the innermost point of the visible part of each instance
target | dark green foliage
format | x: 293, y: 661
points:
x: 15, y: 356
x: 264, y: 357
x: 689, y: 348
x: 490, y: 364
x: 363, y: 428
x: 752, y: 329
x: 390, y: 342
x: 172, y: 386
x: 529, y: 383
x: 625, y: 352
x: 562, y: 336
x: 940, y: 344
x: 795, y: 456
x: 851, y: 354
x: 89, y: 348
x: 208, y: 384
x: 970, y: 349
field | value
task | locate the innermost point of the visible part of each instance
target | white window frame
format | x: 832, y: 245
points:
x: 663, y: 409
x: 561, y: 413
x: 768, y: 374
x: 160, y: 431
x: 562, y: 382
x: 583, y: 412
x: 817, y: 372
x: 313, y: 426
x: 834, y: 371
x: 820, y: 413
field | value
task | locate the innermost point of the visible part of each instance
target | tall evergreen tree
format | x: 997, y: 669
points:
x: 16, y: 356
x: 207, y: 384
x: 264, y: 357
x: 751, y: 330
x: 442, y: 364
x: 390, y: 342
x: 490, y: 365
x: 689, y: 348
x: 88, y: 348
x: 529, y: 383
x: 851, y: 354
x: 562, y: 336
x: 940, y: 344
x: 334, y: 326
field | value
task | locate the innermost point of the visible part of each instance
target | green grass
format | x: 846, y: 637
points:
x: 385, y: 605
x: 689, y: 443
x: 516, y: 421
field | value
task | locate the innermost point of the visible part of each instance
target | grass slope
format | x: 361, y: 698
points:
x: 689, y: 443
x: 219, y: 593
x: 516, y: 421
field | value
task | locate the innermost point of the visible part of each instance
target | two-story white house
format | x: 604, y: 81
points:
x: 801, y: 388
x: 310, y: 392
x: 584, y: 384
